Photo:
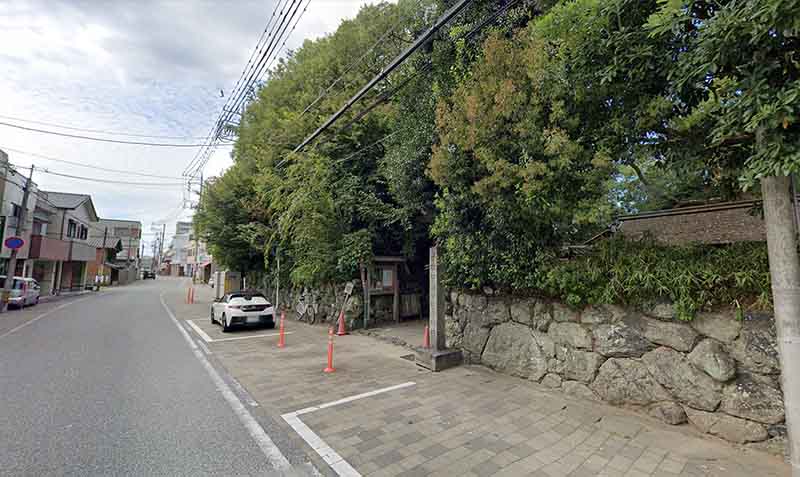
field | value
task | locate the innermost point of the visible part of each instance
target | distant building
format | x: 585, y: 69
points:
x: 129, y: 232
x: 178, y: 253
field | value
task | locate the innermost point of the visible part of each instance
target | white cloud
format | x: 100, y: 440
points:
x: 152, y: 67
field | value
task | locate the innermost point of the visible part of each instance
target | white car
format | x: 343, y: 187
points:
x: 243, y: 309
x: 24, y: 291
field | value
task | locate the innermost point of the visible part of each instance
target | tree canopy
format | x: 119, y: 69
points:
x: 520, y: 128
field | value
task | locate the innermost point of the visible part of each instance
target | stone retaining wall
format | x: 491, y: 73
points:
x: 716, y: 372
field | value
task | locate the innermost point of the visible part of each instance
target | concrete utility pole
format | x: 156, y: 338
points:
x: 196, y: 237
x: 784, y: 269
x: 161, y: 245
x: 105, y: 252
x: 12, y: 261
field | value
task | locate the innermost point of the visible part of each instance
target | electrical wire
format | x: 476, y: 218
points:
x: 99, y: 139
x: 91, y: 166
x: 280, y: 28
x: 110, y: 181
x: 286, y: 38
x: 394, y: 64
x: 98, y: 131
x: 42, y: 195
x: 265, y: 59
x: 201, y: 156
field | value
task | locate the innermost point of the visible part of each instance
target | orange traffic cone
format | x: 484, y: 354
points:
x: 342, y: 331
x: 330, y: 367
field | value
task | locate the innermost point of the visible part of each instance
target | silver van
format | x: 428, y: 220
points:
x: 24, y: 291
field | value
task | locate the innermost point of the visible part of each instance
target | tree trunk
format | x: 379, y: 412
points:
x: 784, y: 267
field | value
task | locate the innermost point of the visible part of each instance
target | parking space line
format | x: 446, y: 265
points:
x: 199, y: 331
x: 209, y: 339
x: 215, y: 340
x: 330, y: 456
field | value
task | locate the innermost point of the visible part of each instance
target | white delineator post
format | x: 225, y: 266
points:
x: 784, y: 267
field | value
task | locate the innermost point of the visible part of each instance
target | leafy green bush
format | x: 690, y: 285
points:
x: 693, y: 277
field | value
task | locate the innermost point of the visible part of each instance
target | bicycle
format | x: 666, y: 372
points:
x: 307, y: 311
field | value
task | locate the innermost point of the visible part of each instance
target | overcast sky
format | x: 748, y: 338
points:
x: 144, y: 67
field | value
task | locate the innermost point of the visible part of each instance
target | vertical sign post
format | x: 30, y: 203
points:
x: 438, y: 357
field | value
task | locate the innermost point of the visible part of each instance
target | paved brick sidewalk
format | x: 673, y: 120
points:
x: 468, y: 421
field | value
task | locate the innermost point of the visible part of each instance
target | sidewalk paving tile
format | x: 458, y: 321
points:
x: 465, y: 421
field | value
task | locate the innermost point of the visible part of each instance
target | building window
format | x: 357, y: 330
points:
x: 72, y: 229
x: 84, y: 232
x: 16, y: 210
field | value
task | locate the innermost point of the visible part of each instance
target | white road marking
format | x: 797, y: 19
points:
x: 209, y: 339
x: 199, y: 331
x: 216, y: 340
x: 330, y: 456
x: 50, y: 312
x: 267, y: 446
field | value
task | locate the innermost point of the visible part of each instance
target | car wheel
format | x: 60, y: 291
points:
x: 225, y: 327
x: 271, y: 325
x: 36, y: 301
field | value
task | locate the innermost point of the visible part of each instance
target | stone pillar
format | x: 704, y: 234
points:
x: 436, y: 304
x: 438, y: 357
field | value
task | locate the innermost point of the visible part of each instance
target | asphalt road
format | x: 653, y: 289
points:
x: 106, y: 385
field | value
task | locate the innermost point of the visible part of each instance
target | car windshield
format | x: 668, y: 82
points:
x: 248, y: 300
x: 18, y: 284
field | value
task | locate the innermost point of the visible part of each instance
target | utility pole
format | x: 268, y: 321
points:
x: 196, y: 235
x: 161, y: 245
x: 12, y: 261
x: 784, y: 269
x: 105, y: 252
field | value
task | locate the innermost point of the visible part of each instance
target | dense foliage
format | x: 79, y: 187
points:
x: 644, y: 273
x: 520, y: 128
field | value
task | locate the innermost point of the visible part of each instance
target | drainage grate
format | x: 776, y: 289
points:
x: 409, y: 357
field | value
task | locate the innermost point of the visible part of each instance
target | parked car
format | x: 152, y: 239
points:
x: 24, y: 291
x: 243, y: 309
x: 148, y: 274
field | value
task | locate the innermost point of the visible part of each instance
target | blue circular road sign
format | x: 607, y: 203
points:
x: 14, y: 243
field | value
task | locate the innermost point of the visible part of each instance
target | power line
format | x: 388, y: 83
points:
x: 276, y: 35
x: 349, y: 68
x: 43, y: 195
x: 266, y: 50
x: 110, y: 181
x: 99, y: 131
x: 99, y: 139
x: 418, y: 43
x: 80, y: 164
x: 275, y: 39
x: 386, y: 95
x: 202, y: 155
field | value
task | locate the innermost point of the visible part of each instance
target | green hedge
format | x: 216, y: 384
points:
x: 693, y: 277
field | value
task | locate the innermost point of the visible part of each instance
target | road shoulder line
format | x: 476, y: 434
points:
x: 264, y: 442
